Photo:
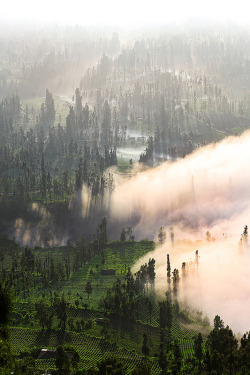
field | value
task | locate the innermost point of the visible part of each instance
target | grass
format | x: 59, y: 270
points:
x: 61, y: 108
x: 123, y: 166
x: 118, y: 256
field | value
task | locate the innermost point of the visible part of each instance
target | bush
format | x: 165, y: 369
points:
x: 88, y: 324
x: 183, y: 316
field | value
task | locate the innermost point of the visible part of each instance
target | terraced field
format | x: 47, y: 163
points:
x: 91, y: 349
x: 121, y: 336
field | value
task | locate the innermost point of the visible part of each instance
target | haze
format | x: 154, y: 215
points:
x: 209, y: 190
x: 124, y: 138
x: 123, y: 14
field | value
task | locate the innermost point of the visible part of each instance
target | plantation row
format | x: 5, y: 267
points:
x: 90, y: 349
x: 101, y: 309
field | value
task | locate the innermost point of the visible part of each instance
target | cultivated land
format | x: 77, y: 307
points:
x: 94, y: 332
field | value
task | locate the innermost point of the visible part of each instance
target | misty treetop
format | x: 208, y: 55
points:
x: 150, y: 87
x: 49, y: 159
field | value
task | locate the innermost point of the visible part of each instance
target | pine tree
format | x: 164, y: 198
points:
x: 198, y: 348
x: 145, y: 348
x: 88, y: 289
x: 161, y: 235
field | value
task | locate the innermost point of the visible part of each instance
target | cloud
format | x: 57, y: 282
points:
x: 209, y: 190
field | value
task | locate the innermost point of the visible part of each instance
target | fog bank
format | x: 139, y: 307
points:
x: 207, y: 191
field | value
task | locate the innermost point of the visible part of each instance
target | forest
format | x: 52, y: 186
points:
x: 124, y: 201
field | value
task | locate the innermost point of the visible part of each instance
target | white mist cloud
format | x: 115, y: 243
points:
x: 209, y: 190
x: 40, y: 229
x: 219, y: 285
x: 126, y: 14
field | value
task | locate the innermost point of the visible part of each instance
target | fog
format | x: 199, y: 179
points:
x: 128, y: 153
x: 129, y: 14
x: 219, y: 285
x: 207, y: 191
x: 176, y: 71
x: 41, y: 229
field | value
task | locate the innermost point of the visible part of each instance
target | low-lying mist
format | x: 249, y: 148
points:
x: 207, y: 191
x: 219, y: 284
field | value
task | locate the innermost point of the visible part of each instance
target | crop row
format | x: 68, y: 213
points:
x: 90, y: 349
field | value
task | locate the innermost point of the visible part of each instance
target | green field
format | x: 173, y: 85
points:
x: 121, y: 335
